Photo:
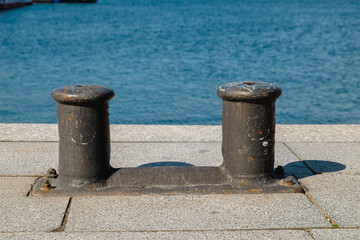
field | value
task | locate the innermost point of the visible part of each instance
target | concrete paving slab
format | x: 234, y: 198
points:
x: 338, y: 234
x: 333, y: 150
x: 206, y: 212
x: 339, y: 195
x: 135, y: 154
x: 30, y: 214
x: 329, y: 157
x: 123, y: 133
x: 332, y: 184
x: 15, y: 186
x: 290, y: 133
x: 318, y: 133
x: 34, y: 158
x: 198, y: 154
x: 180, y: 235
x: 28, y: 132
x: 165, y: 133
x: 28, y: 158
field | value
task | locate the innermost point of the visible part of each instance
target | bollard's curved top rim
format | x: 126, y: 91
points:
x: 249, y: 91
x: 82, y: 94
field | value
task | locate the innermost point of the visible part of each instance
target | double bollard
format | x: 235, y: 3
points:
x: 248, y: 140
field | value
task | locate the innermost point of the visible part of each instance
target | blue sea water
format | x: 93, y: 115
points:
x: 165, y: 59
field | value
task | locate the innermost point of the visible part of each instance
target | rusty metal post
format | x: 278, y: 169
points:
x: 248, y: 129
x: 84, y: 135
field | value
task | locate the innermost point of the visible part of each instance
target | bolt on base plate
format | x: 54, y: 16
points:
x: 169, y: 181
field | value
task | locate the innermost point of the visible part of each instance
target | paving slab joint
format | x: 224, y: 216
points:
x: 29, y: 193
x: 208, y: 230
x: 301, y: 160
x: 183, y: 230
x: 65, y: 218
x: 319, y: 207
x: 16, y: 175
x: 310, y: 233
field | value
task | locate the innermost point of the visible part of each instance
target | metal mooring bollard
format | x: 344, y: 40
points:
x: 84, y: 144
x: 248, y: 128
x: 247, y: 147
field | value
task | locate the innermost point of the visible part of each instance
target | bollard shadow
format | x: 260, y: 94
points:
x: 311, y: 167
x: 167, y: 164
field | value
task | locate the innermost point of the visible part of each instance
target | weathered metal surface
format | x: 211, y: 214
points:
x: 248, y: 128
x: 82, y: 94
x: 155, y: 181
x: 248, y: 150
x: 84, y: 135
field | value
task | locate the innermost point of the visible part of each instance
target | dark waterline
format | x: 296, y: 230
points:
x: 165, y: 59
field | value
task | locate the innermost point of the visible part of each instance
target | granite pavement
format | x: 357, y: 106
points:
x: 324, y: 158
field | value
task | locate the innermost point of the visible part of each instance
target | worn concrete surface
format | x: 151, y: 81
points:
x: 329, y: 157
x: 206, y: 212
x: 326, y: 234
x: 15, y: 186
x: 28, y: 158
x: 325, y: 159
x: 178, y: 235
x: 30, y: 214
x: 193, y: 133
x: 339, y: 195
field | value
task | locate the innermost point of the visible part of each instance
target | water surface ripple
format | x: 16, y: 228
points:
x: 165, y: 59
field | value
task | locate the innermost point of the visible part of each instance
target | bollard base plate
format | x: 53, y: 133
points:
x: 169, y: 181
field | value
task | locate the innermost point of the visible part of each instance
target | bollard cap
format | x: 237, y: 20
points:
x: 81, y: 94
x: 249, y: 91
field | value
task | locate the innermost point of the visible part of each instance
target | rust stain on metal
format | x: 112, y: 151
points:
x: 242, y: 183
x: 259, y: 132
x: 45, y: 186
x: 288, y: 182
x: 240, y: 151
x: 255, y: 191
x: 250, y: 158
